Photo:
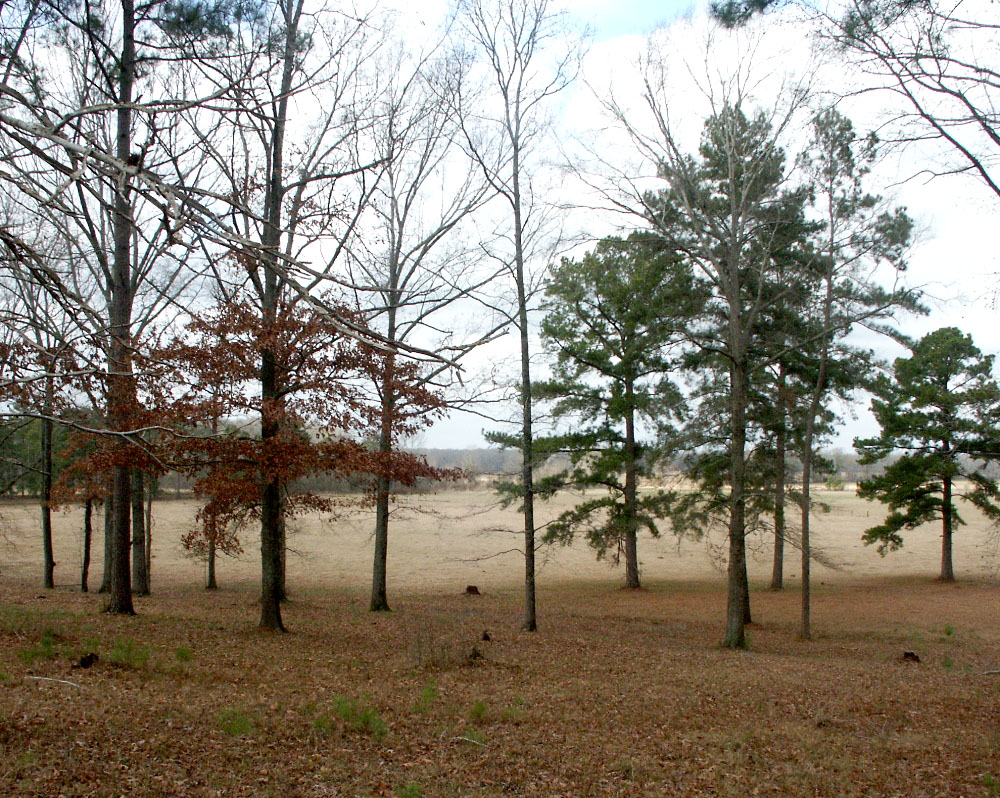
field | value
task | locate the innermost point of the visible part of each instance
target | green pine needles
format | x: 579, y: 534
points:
x: 940, y: 409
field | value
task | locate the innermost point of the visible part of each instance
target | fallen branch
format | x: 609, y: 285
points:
x: 47, y: 679
x: 469, y: 740
x: 990, y: 673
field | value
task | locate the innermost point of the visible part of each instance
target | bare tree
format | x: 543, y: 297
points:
x: 422, y: 267
x: 285, y: 155
x: 93, y: 139
x: 504, y: 128
x: 935, y: 57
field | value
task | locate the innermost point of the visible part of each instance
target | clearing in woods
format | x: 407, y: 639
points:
x: 620, y: 693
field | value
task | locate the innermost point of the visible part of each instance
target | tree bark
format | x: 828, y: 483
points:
x: 212, y: 584
x: 46, y: 445
x: 121, y: 398
x: 379, y: 598
x: 778, y: 566
x: 108, y: 544
x: 383, y: 488
x: 270, y: 516
x: 152, y: 487
x: 272, y: 530
x: 738, y: 599
x: 527, y: 452
x: 631, y: 489
x: 140, y: 582
x: 947, y: 568
x: 88, y: 512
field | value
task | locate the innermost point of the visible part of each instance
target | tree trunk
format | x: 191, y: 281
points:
x: 379, y: 599
x: 383, y: 488
x: 282, y: 552
x: 121, y: 398
x: 947, y: 569
x: 108, y: 544
x: 270, y: 516
x: 46, y: 444
x: 140, y: 584
x: 527, y: 451
x: 88, y: 534
x: 271, y: 526
x: 738, y: 600
x: 778, y: 567
x: 631, y: 486
x: 152, y: 488
x: 212, y: 584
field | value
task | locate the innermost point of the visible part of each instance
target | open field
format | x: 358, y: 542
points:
x: 620, y: 693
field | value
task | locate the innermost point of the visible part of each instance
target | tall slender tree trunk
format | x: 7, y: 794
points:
x: 806, y: 630
x: 282, y: 551
x: 738, y: 599
x: 140, y: 582
x: 46, y: 497
x: 109, y: 536
x: 152, y: 488
x: 947, y: 569
x: 271, y: 527
x: 778, y: 566
x: 631, y: 490
x: 527, y: 450
x: 88, y: 534
x: 810, y: 429
x: 383, y: 487
x: 121, y: 386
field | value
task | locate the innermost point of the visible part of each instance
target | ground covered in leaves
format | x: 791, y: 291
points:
x: 619, y: 693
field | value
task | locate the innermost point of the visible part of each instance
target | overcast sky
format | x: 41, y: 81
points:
x: 955, y: 259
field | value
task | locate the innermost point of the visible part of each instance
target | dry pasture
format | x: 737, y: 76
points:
x: 620, y: 693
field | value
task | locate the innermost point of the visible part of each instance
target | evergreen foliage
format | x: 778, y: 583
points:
x: 940, y: 408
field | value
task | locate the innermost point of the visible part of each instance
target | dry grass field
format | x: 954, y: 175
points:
x: 623, y: 693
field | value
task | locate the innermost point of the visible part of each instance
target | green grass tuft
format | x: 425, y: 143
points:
x: 46, y: 649
x: 234, y: 722
x: 359, y: 716
x: 129, y: 654
x: 428, y: 695
x: 478, y: 711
